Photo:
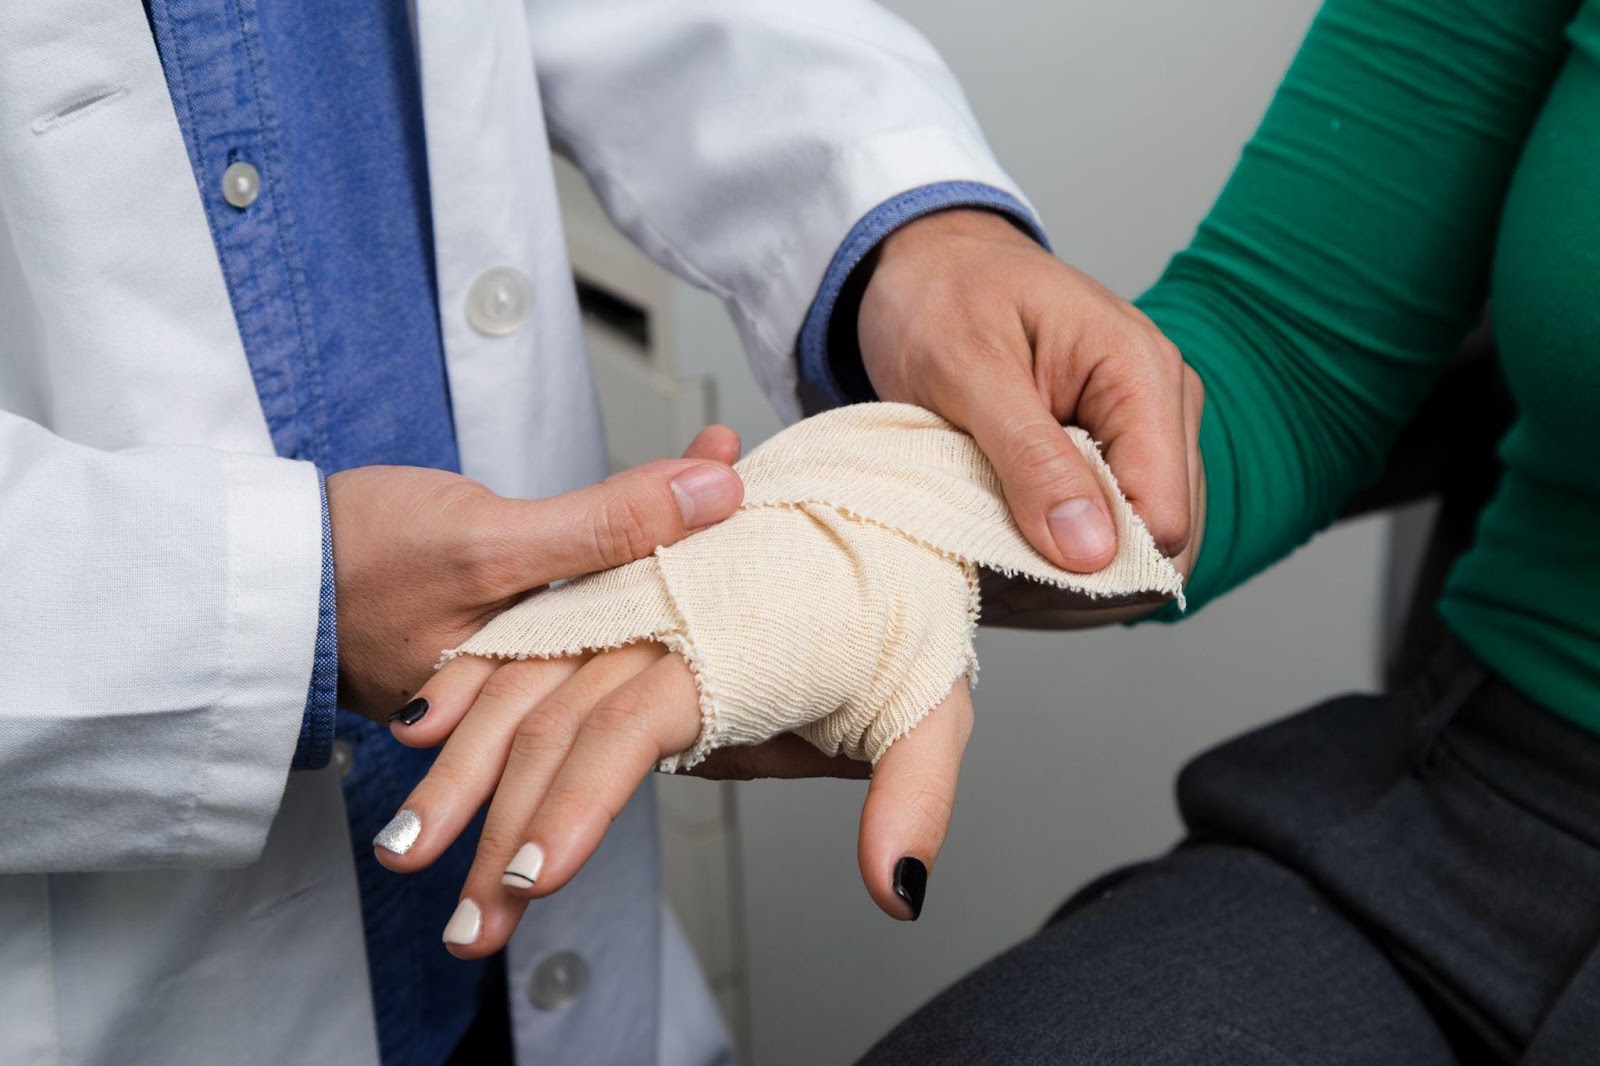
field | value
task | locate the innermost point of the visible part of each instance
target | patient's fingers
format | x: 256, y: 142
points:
x: 539, y: 747
x: 432, y: 715
x: 467, y: 770
x: 628, y: 732
x: 909, y: 803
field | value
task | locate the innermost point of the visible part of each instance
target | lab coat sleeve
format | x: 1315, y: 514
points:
x: 159, y: 607
x: 739, y: 141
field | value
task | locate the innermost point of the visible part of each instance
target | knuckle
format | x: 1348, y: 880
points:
x: 931, y: 803
x: 623, y: 530
x: 515, y: 682
x: 496, y: 845
x: 1170, y: 529
x: 448, y: 775
x: 548, y: 725
x: 1036, y: 455
x: 620, y: 719
x: 1165, y: 352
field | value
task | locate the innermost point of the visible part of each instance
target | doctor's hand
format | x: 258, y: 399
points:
x: 965, y: 315
x: 422, y: 558
x: 557, y: 747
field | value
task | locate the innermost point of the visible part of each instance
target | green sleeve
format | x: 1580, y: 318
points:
x: 1348, y: 256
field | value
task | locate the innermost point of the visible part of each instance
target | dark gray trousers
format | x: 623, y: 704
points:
x: 1411, y: 879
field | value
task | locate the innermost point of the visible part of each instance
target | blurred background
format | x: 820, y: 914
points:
x: 1121, y: 121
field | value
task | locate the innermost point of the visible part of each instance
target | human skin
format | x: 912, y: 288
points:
x: 962, y: 314
x: 422, y: 558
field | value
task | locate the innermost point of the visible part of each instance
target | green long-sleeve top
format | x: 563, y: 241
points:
x: 1420, y: 157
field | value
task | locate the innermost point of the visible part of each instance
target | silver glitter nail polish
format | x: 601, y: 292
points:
x: 401, y: 832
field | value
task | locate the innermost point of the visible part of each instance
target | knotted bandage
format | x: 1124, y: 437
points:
x: 840, y: 601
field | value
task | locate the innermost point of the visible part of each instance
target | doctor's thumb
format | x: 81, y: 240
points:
x: 624, y: 518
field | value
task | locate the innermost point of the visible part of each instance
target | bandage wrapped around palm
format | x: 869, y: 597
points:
x: 840, y: 602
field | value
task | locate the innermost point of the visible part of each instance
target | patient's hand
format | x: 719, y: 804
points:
x: 558, y: 746
x: 966, y: 316
x: 838, y: 604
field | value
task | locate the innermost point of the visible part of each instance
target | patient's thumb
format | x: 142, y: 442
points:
x: 909, y: 805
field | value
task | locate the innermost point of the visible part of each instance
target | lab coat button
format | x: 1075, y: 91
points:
x: 558, y: 981
x: 499, y: 301
x: 341, y: 758
x: 241, y: 184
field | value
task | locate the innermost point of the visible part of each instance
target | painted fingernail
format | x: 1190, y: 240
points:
x: 401, y: 832
x: 411, y: 713
x: 911, y: 883
x: 705, y: 494
x: 523, y: 869
x: 464, y: 924
x: 1080, y: 528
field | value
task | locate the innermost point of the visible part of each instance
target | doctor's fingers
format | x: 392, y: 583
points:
x: 548, y: 746
x: 529, y: 543
x: 1049, y: 487
x: 463, y: 777
x: 909, y: 804
x: 717, y: 443
x: 1133, y: 391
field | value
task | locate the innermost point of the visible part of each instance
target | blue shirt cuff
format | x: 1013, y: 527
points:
x: 315, y: 748
x: 829, y: 357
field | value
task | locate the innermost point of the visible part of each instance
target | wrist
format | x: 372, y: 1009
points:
x: 828, y: 349
x: 954, y: 223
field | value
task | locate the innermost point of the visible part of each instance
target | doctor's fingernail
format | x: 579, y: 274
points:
x: 705, y: 494
x: 464, y: 924
x: 411, y: 713
x: 911, y: 884
x: 1081, y: 528
x: 523, y: 869
x: 401, y: 832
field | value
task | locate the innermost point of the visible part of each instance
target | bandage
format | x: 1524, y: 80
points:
x: 840, y: 601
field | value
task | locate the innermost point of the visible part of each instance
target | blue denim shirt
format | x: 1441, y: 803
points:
x: 330, y: 272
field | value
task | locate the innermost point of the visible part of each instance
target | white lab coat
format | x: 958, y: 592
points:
x: 169, y: 893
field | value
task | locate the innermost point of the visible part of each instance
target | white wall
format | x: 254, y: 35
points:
x: 1120, y: 119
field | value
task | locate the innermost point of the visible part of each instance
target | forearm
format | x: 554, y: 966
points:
x: 1347, y: 257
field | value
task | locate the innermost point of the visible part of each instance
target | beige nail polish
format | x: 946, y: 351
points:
x: 464, y: 924
x: 523, y: 870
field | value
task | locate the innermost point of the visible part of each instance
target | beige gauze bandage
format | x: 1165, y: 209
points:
x: 840, y: 601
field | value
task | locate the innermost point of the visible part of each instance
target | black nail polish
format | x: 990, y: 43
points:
x: 911, y: 883
x: 411, y: 713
